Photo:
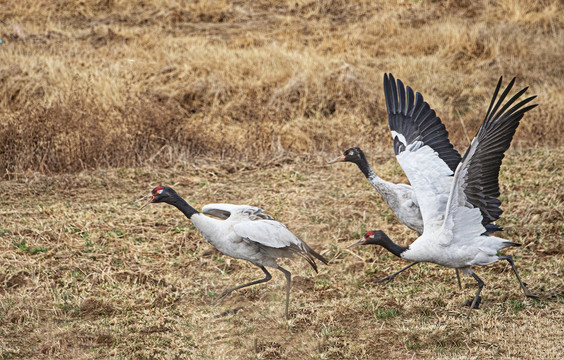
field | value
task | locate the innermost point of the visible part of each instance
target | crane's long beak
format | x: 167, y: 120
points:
x: 359, y: 242
x: 150, y: 197
x: 338, y: 159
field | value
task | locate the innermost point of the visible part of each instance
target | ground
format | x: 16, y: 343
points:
x: 244, y: 102
x: 85, y: 274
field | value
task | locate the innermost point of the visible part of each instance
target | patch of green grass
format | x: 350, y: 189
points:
x: 373, y: 270
x: 386, y: 313
x: 329, y: 331
x: 89, y: 245
x: 38, y: 250
x: 335, y: 252
x: 22, y: 246
x: 355, y: 235
x: 517, y: 305
x: 447, y: 349
x: 323, y: 283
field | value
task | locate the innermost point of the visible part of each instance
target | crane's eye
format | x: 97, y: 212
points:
x: 158, y: 190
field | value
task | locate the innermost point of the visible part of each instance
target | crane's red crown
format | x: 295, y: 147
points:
x: 158, y: 190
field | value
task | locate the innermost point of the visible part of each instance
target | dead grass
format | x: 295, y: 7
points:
x: 113, y: 83
x: 85, y: 275
x: 242, y: 102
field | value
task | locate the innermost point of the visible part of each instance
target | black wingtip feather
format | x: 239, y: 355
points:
x: 488, y: 148
x: 410, y: 116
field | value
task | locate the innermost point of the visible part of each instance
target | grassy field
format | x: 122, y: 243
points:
x: 85, y: 84
x: 85, y: 274
x: 243, y: 102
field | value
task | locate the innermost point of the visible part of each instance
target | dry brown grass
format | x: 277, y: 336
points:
x: 85, y: 275
x: 85, y: 84
x: 242, y: 102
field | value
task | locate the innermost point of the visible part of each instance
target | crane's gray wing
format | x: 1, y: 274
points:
x: 224, y: 211
x: 268, y: 233
x: 473, y: 203
x: 422, y: 148
x: 276, y: 240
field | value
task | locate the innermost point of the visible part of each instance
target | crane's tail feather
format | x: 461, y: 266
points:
x: 510, y: 243
x: 318, y: 256
x: 310, y: 260
x: 308, y: 254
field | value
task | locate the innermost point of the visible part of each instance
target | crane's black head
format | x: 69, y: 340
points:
x: 354, y: 155
x: 163, y: 194
x: 169, y: 196
x: 371, y: 238
x: 160, y: 194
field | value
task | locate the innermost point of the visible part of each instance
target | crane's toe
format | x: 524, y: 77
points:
x: 476, y: 305
x: 224, y: 293
x: 529, y: 293
x: 385, y: 279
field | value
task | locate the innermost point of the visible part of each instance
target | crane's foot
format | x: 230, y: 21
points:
x: 476, y: 305
x: 223, y: 294
x: 529, y: 293
x: 229, y: 312
x: 391, y: 277
x: 385, y: 279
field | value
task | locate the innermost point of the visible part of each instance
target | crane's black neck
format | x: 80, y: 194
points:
x: 383, y: 240
x: 182, y: 205
x: 364, y: 166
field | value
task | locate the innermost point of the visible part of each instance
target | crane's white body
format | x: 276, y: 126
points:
x: 246, y: 232
x: 479, y: 250
x: 400, y: 198
x: 453, y: 231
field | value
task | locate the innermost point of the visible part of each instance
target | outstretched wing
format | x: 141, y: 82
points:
x: 473, y: 203
x: 224, y: 211
x: 422, y: 148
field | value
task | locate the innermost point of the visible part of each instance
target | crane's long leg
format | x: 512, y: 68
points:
x: 527, y: 292
x: 288, y: 285
x: 230, y: 290
x: 458, y: 278
x: 480, y: 286
x: 392, y: 276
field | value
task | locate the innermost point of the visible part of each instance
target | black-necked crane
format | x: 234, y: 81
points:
x: 244, y: 232
x: 400, y: 197
x: 457, y: 235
